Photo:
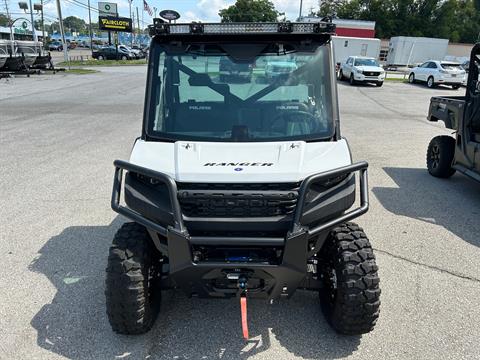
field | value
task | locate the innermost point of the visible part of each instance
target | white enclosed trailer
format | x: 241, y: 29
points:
x: 404, y: 50
x: 352, y: 46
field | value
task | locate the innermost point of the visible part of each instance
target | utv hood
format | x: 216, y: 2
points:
x: 240, y: 162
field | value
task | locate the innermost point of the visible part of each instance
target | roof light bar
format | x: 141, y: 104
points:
x: 159, y: 27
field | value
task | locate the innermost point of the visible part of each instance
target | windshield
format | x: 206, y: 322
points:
x: 366, y: 62
x: 222, y: 93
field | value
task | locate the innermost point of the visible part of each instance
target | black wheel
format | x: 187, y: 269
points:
x: 352, y: 80
x: 440, y: 154
x: 350, y: 298
x: 100, y: 57
x: 455, y: 87
x: 131, y: 288
x: 340, y: 76
x: 124, y: 57
x: 411, y: 78
x: 431, y: 82
x: 379, y: 84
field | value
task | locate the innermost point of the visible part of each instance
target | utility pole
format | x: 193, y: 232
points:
x: 60, y: 24
x: 34, y: 34
x: 301, y: 8
x: 131, y: 35
x: 90, y: 26
x: 43, y: 25
x: 134, y: 30
x: 138, y: 22
x: 10, y: 23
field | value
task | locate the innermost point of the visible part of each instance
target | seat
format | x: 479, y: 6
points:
x: 202, y: 117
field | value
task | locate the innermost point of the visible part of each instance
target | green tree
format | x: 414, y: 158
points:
x: 332, y: 7
x: 250, y: 11
x: 73, y: 23
x: 457, y: 20
x: 4, y: 20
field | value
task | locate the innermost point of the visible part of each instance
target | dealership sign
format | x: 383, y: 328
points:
x: 107, y: 9
x: 115, y: 23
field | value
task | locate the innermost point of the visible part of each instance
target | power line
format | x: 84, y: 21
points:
x: 80, y: 5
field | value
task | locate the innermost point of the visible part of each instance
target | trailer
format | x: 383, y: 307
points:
x: 405, y: 51
x: 353, y: 46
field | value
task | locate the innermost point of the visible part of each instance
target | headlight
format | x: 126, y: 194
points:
x: 359, y: 71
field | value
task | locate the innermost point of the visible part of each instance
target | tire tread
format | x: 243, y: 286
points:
x: 130, y: 309
x: 357, y: 304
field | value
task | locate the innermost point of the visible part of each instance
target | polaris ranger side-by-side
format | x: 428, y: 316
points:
x: 447, y: 154
x: 241, y: 188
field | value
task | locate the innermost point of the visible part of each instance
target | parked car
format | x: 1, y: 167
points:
x: 55, y: 46
x: 362, y: 69
x: 137, y: 52
x: 435, y: 72
x: 229, y: 69
x: 277, y: 69
x: 72, y: 44
x: 110, y: 53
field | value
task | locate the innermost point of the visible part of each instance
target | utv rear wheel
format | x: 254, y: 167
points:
x: 132, y: 293
x: 350, y: 298
x: 440, y: 154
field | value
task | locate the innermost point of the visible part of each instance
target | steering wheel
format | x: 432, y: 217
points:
x: 299, y: 116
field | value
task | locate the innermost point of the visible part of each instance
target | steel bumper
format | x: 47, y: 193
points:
x: 277, y: 280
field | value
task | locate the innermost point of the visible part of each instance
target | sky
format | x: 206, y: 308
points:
x: 190, y: 10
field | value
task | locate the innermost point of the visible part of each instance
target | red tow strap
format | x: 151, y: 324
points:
x: 243, y: 309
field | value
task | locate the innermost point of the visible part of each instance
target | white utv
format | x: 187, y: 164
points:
x: 241, y: 189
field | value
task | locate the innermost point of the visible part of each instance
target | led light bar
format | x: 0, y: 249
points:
x: 159, y: 27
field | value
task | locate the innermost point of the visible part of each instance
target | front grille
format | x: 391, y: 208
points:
x: 371, y: 73
x: 237, y: 200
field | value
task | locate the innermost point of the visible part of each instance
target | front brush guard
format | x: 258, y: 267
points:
x: 281, y: 279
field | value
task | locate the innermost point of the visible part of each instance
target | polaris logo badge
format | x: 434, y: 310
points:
x: 196, y: 107
x: 288, y: 107
x: 238, y: 164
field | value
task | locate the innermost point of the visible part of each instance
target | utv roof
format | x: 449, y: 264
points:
x: 230, y: 30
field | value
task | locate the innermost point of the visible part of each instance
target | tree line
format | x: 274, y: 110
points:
x: 456, y: 20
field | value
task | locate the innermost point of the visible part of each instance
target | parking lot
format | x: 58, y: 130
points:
x: 59, y: 136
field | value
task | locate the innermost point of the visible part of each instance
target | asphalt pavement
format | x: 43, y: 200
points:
x: 59, y: 135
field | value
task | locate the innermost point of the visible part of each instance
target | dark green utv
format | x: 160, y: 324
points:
x: 447, y: 154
